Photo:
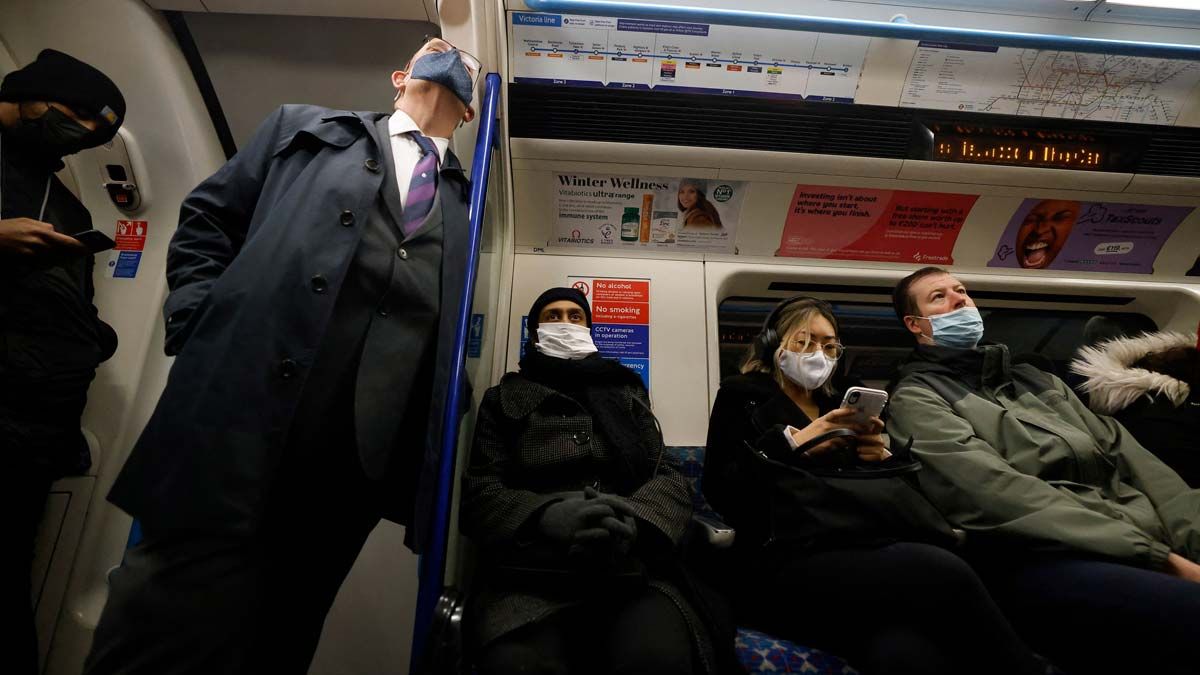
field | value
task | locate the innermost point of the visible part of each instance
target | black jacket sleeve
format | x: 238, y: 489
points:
x: 213, y: 222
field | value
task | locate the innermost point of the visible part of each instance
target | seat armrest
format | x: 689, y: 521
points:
x: 716, y: 533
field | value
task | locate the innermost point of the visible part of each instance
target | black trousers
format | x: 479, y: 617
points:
x: 207, y: 604
x: 1091, y: 617
x: 628, y: 636
x: 901, y: 609
x: 23, y: 502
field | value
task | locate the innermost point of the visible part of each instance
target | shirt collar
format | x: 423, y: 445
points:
x: 401, y: 123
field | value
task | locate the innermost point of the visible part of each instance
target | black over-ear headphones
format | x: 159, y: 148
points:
x: 767, y: 342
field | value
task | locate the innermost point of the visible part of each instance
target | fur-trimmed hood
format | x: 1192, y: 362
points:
x: 1111, y: 381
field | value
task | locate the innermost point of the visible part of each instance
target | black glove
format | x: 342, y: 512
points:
x: 621, y: 526
x: 575, y: 519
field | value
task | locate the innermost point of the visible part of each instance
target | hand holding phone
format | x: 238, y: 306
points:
x: 95, y: 240
x: 26, y: 240
x: 868, y: 402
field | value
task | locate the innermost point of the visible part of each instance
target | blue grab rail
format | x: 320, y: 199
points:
x: 433, y: 561
x: 901, y: 30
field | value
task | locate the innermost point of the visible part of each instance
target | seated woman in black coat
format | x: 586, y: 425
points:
x: 579, y: 516
x: 851, y: 565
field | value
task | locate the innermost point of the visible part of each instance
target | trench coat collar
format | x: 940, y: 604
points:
x: 341, y: 128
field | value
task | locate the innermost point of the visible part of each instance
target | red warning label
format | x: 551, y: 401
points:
x: 131, y: 235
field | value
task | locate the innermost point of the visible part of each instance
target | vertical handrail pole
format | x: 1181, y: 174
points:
x: 433, y: 561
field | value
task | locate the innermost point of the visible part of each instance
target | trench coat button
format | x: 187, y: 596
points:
x: 347, y: 217
x: 319, y: 284
x: 382, y: 311
x: 372, y: 165
x: 581, y: 438
x: 287, y: 368
x: 402, y: 254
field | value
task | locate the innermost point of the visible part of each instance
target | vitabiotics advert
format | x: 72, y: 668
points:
x: 608, y: 211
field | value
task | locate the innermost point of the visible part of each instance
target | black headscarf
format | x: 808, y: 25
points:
x: 55, y: 76
x: 596, y: 383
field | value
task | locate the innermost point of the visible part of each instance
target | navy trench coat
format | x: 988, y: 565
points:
x: 246, y: 315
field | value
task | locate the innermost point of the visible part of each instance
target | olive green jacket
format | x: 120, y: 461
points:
x: 1013, y: 457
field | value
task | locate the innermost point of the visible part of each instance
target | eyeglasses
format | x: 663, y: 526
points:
x: 474, y: 66
x: 833, y: 350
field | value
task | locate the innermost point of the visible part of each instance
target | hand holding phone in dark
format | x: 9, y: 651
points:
x: 95, y: 240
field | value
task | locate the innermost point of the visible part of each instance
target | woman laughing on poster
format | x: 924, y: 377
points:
x: 694, y: 205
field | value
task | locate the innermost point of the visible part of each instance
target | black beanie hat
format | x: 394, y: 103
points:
x: 554, y: 295
x: 55, y: 76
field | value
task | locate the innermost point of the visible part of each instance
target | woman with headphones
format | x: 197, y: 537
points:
x: 835, y: 546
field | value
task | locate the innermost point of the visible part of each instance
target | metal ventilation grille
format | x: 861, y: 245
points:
x: 707, y: 121
x: 1172, y: 152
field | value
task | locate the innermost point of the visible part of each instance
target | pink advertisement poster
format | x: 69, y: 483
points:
x: 869, y: 224
x: 1065, y: 234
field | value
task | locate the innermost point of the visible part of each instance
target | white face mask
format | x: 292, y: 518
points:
x: 565, y: 341
x: 807, y: 370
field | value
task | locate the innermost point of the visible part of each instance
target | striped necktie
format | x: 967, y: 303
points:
x: 422, y: 189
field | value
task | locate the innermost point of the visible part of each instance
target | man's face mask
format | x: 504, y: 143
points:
x: 962, y: 328
x: 565, y: 341
x: 52, y: 135
x: 447, y: 69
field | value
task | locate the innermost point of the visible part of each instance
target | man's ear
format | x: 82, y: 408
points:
x: 399, y: 82
x: 912, y: 325
x: 469, y: 115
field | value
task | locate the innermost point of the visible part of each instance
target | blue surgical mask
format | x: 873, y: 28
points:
x: 962, y: 328
x: 448, y: 70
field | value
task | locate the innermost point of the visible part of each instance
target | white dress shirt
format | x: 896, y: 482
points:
x: 406, y: 152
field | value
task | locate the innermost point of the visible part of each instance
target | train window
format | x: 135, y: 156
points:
x: 876, y: 342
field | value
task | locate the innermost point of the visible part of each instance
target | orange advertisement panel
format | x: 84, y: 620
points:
x: 868, y: 224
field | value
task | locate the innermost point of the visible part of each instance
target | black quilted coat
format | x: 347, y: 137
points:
x: 532, y: 442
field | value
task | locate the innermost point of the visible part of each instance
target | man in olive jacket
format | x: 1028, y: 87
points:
x: 1078, y: 530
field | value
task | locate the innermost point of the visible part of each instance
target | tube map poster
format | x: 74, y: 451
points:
x: 596, y: 51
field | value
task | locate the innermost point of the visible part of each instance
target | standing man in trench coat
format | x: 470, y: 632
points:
x: 314, y: 283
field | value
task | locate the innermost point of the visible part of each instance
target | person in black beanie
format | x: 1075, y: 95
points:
x: 53, y: 338
x: 580, y: 515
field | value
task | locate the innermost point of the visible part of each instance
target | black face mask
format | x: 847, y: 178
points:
x: 51, y: 136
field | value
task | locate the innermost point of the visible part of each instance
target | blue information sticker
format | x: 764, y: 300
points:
x: 127, y: 264
x: 475, y: 337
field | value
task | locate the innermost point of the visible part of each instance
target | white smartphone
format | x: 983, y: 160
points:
x: 868, y: 402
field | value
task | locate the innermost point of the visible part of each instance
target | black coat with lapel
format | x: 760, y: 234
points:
x: 260, y: 256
